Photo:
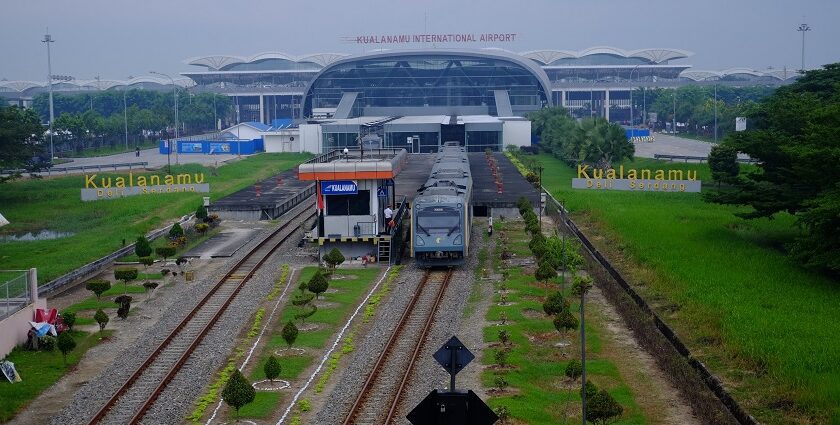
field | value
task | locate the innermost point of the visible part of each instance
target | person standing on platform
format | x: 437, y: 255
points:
x: 388, y: 213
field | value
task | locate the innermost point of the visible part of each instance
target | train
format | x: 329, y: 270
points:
x: 441, y: 213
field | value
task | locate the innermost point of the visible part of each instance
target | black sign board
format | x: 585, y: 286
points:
x: 453, y: 356
x: 455, y: 408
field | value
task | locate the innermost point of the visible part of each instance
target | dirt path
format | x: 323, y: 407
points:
x: 657, y: 397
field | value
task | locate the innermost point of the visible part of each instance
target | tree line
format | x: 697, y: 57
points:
x: 795, y: 137
x: 695, y: 107
x: 589, y: 140
x: 92, y: 120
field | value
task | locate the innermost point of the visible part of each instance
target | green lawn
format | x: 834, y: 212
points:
x: 330, y: 319
x: 39, y: 370
x: 540, y: 391
x: 100, y: 227
x: 764, y: 324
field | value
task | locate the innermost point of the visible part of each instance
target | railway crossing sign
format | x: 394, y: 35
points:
x: 455, y: 406
x: 453, y: 356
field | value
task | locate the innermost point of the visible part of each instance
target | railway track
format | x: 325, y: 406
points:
x: 138, y: 394
x: 380, y: 396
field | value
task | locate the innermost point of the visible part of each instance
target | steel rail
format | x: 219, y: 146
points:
x: 380, y: 361
x: 104, y: 410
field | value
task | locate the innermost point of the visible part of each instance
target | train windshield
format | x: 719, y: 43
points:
x: 436, y: 220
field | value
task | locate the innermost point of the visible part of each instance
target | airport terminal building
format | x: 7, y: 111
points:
x: 419, y: 98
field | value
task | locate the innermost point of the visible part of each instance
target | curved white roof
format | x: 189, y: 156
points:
x: 217, y: 62
x: 655, y: 55
x: 21, y: 86
x: 700, y: 75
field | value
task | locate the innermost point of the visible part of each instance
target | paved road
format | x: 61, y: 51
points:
x: 667, y: 144
x: 151, y: 156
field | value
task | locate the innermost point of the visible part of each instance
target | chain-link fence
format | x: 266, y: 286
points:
x: 14, y: 292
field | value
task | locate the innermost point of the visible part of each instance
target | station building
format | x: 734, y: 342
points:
x: 353, y: 189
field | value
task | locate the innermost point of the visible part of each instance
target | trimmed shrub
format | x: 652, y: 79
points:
x: 602, y: 408
x: 201, y: 212
x: 69, y: 319
x: 176, y: 231
x: 318, y: 284
x: 574, y: 370
x: 124, y: 301
x: 238, y: 391
x: 500, y: 382
x: 554, y: 304
x: 66, y: 344
x: 165, y: 252
x: 272, y: 368
x: 290, y: 333
x: 565, y: 321
x: 101, y: 318
x: 201, y: 228
x: 125, y: 275
x: 142, y: 247
x: 47, y: 343
x: 334, y: 258
x: 147, y: 261
x: 98, y: 286
x: 545, y: 272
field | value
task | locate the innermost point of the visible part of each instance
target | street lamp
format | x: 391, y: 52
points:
x: 803, y: 29
x: 125, y: 117
x: 48, y: 40
x: 632, y: 130
x: 175, y: 95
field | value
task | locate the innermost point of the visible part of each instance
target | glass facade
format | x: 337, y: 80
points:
x: 479, y: 141
x: 422, y: 142
x: 427, y: 80
x: 332, y: 141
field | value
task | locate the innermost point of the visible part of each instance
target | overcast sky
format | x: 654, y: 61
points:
x: 117, y: 39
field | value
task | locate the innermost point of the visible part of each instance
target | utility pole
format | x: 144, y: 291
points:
x: 48, y: 40
x: 125, y: 118
x: 716, y: 114
x: 674, y: 117
x: 803, y: 29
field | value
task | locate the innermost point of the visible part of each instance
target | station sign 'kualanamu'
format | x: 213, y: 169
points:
x: 644, y: 180
x: 110, y: 187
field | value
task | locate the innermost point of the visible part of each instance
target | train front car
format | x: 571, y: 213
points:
x: 441, y: 213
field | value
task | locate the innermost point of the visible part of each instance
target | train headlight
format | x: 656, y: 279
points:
x: 458, y: 240
x: 419, y: 241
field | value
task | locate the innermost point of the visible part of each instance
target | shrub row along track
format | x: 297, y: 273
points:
x: 137, y: 395
x: 378, y: 400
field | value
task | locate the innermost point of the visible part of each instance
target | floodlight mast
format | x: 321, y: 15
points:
x: 48, y: 40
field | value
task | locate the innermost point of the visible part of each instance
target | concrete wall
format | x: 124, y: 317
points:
x: 14, y: 329
x: 517, y: 133
x: 282, y: 142
x: 310, y: 138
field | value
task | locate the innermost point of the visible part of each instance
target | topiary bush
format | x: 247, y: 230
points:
x: 290, y: 333
x: 272, y: 368
x: 126, y: 275
x: 146, y: 262
x: 98, y: 287
x: 142, y: 247
x: 124, y: 302
x: 574, y: 370
x: 69, y: 319
x: 318, y: 284
x: 101, y: 319
x: 176, y: 231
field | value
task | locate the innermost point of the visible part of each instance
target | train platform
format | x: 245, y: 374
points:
x: 413, y: 175
x: 487, y: 198
x: 224, y: 244
x: 265, y: 200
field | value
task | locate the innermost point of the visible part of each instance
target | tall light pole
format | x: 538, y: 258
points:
x: 125, y: 117
x: 803, y: 29
x: 175, y: 94
x: 674, y: 117
x: 48, y: 40
x: 715, y: 113
x: 632, y: 130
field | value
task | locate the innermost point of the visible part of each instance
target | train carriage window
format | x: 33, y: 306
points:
x: 437, y: 220
x: 349, y: 204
